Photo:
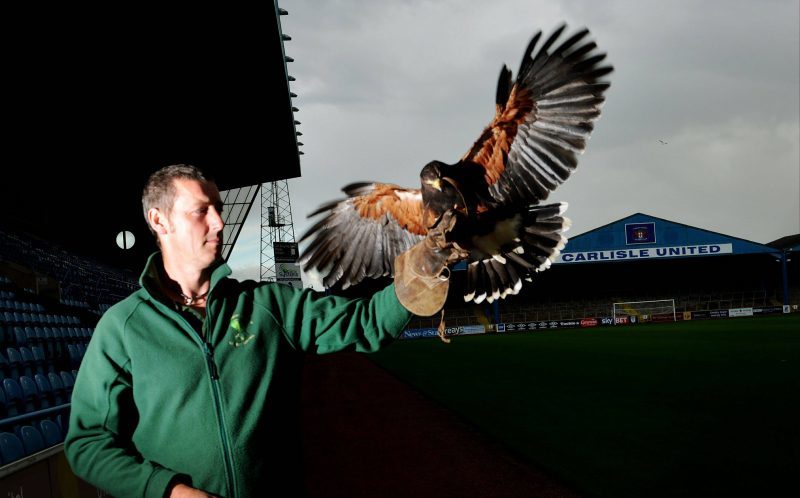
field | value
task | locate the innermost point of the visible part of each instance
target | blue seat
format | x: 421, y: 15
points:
x: 5, y: 367
x: 28, y: 361
x: 14, y: 362
x: 67, y: 379
x: 45, y: 390
x: 32, y: 440
x: 51, y: 433
x: 11, y: 448
x: 14, y: 403
x: 41, y: 338
x: 63, y: 422
x: 30, y: 395
x: 30, y: 334
x: 3, y: 407
x: 21, y: 337
x: 57, y: 389
x: 74, y: 355
x: 42, y: 363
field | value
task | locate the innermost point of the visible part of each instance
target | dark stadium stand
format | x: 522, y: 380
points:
x: 43, y: 337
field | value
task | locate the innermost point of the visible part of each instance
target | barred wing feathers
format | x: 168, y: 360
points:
x: 543, y: 120
x: 360, y: 236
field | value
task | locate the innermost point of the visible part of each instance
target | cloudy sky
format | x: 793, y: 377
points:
x: 384, y: 87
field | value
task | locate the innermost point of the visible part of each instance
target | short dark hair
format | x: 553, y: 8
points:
x: 159, y: 191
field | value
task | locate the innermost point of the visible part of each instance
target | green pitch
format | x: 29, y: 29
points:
x: 705, y: 408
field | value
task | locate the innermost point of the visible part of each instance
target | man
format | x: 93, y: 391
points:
x: 190, y: 386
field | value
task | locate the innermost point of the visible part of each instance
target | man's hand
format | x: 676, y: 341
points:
x: 421, y: 276
x: 184, y: 491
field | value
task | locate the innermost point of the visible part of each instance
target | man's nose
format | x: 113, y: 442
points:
x: 216, y: 222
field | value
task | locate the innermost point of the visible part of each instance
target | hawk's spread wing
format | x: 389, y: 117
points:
x: 543, y: 121
x: 360, y: 236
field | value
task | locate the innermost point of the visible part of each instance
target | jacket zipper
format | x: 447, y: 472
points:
x: 214, y: 373
x: 226, y: 445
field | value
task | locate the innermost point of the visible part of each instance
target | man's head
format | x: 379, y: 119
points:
x: 184, y: 211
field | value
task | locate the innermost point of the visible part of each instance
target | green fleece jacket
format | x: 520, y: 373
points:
x: 154, y: 401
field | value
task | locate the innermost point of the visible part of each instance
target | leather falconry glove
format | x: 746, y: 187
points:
x: 421, y: 275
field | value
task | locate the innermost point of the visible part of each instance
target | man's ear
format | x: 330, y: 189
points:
x: 158, y: 221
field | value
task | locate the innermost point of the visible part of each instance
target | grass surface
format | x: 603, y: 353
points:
x: 705, y: 408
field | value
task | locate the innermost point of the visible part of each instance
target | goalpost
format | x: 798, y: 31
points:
x: 662, y: 310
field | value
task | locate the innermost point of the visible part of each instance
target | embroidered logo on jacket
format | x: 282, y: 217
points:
x: 241, y: 337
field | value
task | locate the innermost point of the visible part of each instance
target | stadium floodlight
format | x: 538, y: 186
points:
x: 662, y: 310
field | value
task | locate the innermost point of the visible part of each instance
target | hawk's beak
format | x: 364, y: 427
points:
x: 436, y: 183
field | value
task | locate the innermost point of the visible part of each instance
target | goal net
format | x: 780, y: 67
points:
x: 647, y: 311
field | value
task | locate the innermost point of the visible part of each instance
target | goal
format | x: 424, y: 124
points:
x: 662, y: 310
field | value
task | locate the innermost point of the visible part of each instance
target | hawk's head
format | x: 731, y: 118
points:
x: 431, y: 176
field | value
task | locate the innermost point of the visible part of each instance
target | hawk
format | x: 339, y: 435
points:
x: 504, y: 230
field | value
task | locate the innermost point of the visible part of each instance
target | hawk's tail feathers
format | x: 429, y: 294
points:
x: 540, y: 241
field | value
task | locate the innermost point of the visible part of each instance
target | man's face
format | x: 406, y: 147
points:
x: 194, y: 233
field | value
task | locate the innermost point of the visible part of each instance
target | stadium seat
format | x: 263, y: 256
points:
x: 41, y: 338
x: 14, y: 403
x: 5, y: 367
x: 14, y: 362
x: 30, y: 395
x: 30, y: 335
x: 51, y: 433
x: 11, y: 448
x: 58, y: 391
x: 21, y: 337
x: 63, y: 422
x: 28, y: 361
x: 46, y: 394
x: 32, y: 440
x: 3, y: 407
x: 60, y: 342
x: 67, y: 379
x: 41, y: 363
x: 74, y: 355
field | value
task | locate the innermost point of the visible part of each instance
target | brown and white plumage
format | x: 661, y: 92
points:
x: 360, y: 236
x: 543, y: 120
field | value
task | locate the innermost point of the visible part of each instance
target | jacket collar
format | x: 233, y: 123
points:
x: 150, y: 279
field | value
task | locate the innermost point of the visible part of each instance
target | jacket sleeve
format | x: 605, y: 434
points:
x: 102, y: 420
x: 317, y: 323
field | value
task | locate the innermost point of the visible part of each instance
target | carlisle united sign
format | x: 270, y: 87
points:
x: 646, y: 253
